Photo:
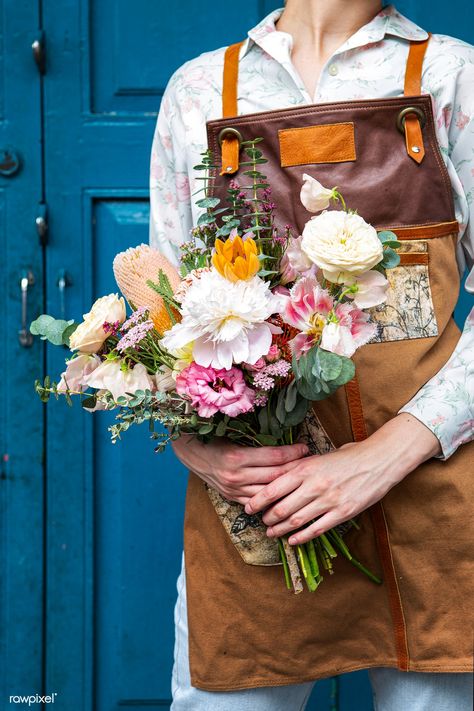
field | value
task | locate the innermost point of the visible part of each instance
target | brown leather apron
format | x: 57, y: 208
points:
x: 245, y: 628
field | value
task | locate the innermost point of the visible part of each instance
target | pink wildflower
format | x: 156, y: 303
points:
x: 211, y: 390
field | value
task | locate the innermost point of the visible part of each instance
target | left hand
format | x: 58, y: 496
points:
x: 337, y: 486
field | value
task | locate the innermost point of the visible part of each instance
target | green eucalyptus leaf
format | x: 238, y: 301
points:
x: 297, y: 415
x: 221, y: 428
x: 39, y: 326
x: 206, y: 429
x: 390, y: 259
x: 208, y: 202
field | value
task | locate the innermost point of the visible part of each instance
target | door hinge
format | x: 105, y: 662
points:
x: 39, y: 52
x: 41, y: 223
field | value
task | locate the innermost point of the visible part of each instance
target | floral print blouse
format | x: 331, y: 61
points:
x: 370, y: 64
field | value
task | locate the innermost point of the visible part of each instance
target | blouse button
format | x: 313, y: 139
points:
x: 333, y: 70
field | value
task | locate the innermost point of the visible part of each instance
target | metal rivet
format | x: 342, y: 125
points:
x: 229, y: 168
x: 333, y: 70
x: 415, y: 149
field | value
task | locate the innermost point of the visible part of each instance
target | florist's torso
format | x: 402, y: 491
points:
x: 245, y: 628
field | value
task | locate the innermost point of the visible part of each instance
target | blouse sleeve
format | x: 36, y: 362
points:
x: 170, y: 203
x: 445, y: 404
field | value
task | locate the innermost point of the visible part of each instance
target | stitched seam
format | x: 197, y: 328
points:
x: 384, y: 104
x: 258, y: 681
x: 397, y: 588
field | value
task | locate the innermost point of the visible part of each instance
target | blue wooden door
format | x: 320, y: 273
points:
x: 100, y: 533
x: 21, y: 418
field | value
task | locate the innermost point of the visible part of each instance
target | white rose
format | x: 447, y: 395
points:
x: 342, y: 244
x: 314, y: 196
x: 89, y: 336
x: 110, y: 376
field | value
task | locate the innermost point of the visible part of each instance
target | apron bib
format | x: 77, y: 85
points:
x: 245, y: 628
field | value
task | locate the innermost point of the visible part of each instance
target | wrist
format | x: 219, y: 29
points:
x: 406, y: 441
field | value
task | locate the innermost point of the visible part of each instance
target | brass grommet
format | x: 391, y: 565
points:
x: 406, y: 112
x: 229, y: 131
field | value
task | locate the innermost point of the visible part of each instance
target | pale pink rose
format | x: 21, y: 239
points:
x: 314, y: 196
x: 352, y: 330
x: 76, y: 370
x: 294, y: 262
x: 371, y: 289
x: 110, y: 376
x: 212, y: 391
x: 255, y: 367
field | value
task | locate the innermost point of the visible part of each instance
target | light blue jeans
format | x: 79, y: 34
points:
x: 393, y: 690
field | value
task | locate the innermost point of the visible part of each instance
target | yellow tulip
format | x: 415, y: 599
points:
x: 236, y: 259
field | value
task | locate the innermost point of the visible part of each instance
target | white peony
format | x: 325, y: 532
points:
x: 226, y: 320
x: 342, y: 244
x: 117, y: 380
x: 89, y: 336
x: 314, y: 196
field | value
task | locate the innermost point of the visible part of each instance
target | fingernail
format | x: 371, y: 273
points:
x: 270, y: 531
x: 248, y: 508
x: 292, y: 541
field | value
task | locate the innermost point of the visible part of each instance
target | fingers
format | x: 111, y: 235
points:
x: 323, y: 524
x: 272, y: 492
x: 297, y: 519
x: 290, y: 508
x: 270, y: 456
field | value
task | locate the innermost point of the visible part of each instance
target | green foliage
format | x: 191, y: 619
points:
x: 56, y: 331
x: 319, y: 373
x: 390, y: 243
x: 163, y: 288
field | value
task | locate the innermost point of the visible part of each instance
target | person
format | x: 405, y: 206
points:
x: 310, y: 53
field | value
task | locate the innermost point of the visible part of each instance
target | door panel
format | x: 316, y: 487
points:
x: 114, y: 513
x: 21, y: 413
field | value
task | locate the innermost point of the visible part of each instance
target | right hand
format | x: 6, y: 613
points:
x: 237, y: 472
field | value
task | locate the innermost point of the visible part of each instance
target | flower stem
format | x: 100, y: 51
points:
x: 285, y: 564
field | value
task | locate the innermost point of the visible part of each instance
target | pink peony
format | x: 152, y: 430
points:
x: 211, y: 390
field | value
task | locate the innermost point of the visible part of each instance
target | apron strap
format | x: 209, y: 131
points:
x: 411, y: 121
x: 230, y: 144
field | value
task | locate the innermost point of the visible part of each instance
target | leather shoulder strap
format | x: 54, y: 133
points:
x: 230, y: 80
x: 414, y: 67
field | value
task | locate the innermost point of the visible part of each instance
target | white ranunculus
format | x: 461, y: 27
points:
x: 110, y: 376
x: 89, y: 336
x: 226, y: 322
x: 314, y: 196
x: 342, y: 244
x: 76, y: 370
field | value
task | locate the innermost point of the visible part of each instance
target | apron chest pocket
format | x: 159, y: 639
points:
x: 409, y: 311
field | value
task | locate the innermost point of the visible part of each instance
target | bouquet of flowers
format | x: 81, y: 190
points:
x: 255, y: 326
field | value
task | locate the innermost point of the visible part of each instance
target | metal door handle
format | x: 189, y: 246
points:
x: 39, y: 52
x: 63, y: 281
x: 24, y: 335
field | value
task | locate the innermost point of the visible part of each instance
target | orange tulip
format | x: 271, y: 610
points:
x: 236, y: 259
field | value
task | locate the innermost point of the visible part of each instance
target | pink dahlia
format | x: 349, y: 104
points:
x: 211, y: 390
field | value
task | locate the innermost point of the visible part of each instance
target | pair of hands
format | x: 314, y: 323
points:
x: 294, y: 488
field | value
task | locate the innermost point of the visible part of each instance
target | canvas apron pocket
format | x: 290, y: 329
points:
x: 408, y: 311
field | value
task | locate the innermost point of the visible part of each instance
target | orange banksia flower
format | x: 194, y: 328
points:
x: 236, y: 259
x: 133, y: 268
